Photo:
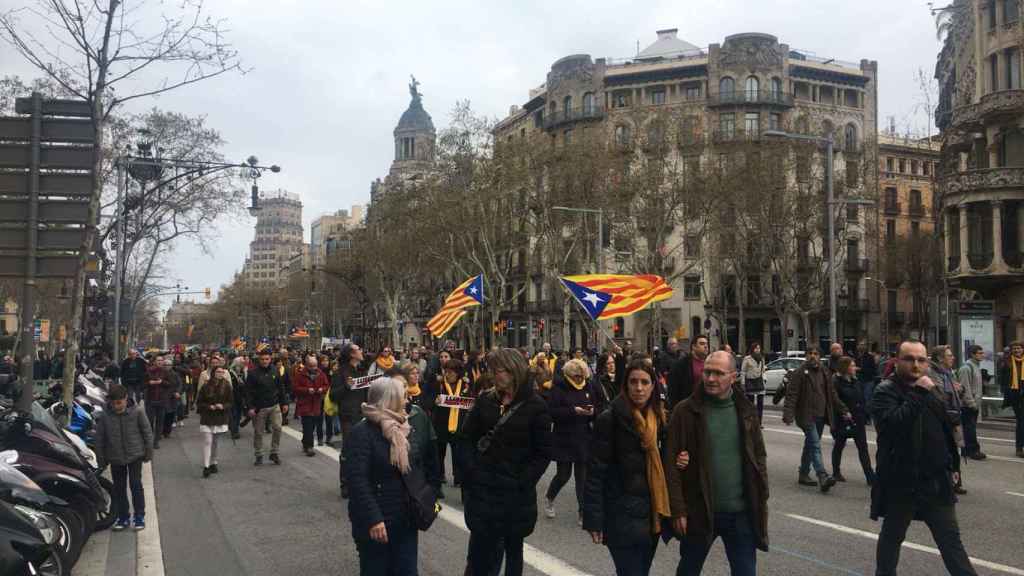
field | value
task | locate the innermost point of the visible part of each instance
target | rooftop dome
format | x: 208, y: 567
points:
x: 668, y: 45
x: 415, y: 118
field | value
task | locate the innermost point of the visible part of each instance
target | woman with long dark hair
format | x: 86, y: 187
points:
x: 626, y: 498
x: 852, y: 425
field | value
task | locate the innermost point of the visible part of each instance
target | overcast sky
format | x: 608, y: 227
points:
x: 328, y: 79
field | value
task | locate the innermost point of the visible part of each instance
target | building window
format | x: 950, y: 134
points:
x: 850, y: 138
x: 655, y: 133
x: 588, y: 103
x: 567, y: 107
x: 924, y: 168
x: 753, y: 86
x: 693, y: 92
x: 890, y: 230
x: 1012, y: 59
x: 623, y: 137
x: 913, y: 167
x: 903, y: 165
x: 993, y: 70
x: 990, y: 14
x: 657, y: 96
x: 408, y: 150
x: 726, y: 89
x: 692, y: 246
x: 775, y: 121
x: 890, y: 165
x: 621, y: 99
x: 915, y: 229
x: 727, y: 124
x: 752, y: 123
x: 776, y: 88
x: 691, y: 287
x: 688, y: 130
x: 568, y: 136
x: 1011, y: 11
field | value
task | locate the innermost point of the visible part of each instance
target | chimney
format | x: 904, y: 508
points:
x: 667, y: 34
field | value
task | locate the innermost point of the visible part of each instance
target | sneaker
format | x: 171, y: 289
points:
x: 839, y: 477
x: 275, y: 459
x: 959, y: 489
x: 213, y: 468
x: 120, y: 524
x: 825, y: 482
x: 549, y: 508
x: 310, y: 452
x: 805, y: 480
x: 207, y: 471
x: 977, y: 456
x: 579, y: 519
x: 259, y: 461
x: 139, y: 523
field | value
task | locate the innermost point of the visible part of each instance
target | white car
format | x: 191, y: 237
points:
x: 777, y: 369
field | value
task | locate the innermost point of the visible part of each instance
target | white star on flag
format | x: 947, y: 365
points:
x: 472, y: 290
x: 593, y: 298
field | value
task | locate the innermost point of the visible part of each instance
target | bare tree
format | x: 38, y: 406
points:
x: 92, y: 49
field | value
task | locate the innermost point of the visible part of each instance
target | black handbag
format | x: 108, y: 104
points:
x: 422, y: 499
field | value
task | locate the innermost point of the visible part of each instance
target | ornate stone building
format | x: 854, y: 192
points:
x: 415, y: 139
x: 278, y: 237
x: 730, y: 92
x: 980, y: 113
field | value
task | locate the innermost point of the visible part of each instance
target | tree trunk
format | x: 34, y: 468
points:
x: 805, y: 319
x: 566, y: 308
x: 741, y: 327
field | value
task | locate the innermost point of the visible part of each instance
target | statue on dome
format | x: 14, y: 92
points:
x: 413, y: 88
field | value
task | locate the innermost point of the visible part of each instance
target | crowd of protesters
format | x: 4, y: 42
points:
x: 660, y: 447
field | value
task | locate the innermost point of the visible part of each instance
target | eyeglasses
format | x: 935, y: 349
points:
x: 709, y: 372
x: 914, y: 359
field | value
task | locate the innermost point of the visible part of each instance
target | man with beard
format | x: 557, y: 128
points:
x: 687, y: 371
x: 811, y: 402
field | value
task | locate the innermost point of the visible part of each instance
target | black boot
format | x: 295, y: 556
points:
x: 839, y: 476
x: 275, y: 459
x: 825, y: 482
x: 259, y: 461
x: 207, y: 471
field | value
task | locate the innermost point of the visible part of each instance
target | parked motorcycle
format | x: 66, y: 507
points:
x: 56, y: 548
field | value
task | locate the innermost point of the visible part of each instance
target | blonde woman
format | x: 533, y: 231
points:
x: 573, y: 406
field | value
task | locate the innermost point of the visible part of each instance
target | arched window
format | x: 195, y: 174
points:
x: 726, y: 89
x: 567, y: 107
x: 850, y: 138
x: 623, y: 136
x: 753, y: 86
x: 588, y: 104
x: 655, y: 133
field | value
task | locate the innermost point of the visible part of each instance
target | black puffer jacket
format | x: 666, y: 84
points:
x: 851, y: 394
x: 264, y: 388
x: 571, y: 439
x: 500, y: 486
x: 376, y: 491
x: 616, y: 500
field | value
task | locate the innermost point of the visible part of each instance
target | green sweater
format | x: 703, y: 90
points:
x: 726, y: 455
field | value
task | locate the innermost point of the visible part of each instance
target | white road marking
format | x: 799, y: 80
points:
x: 1016, y: 494
x: 542, y: 561
x: 910, y: 545
x: 149, y: 559
x: 824, y: 438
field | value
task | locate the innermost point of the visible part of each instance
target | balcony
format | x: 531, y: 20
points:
x: 979, y: 260
x: 984, y: 179
x: 559, y: 117
x: 739, y: 97
x: 991, y: 106
x: 917, y: 210
x: 891, y: 208
x: 734, y: 136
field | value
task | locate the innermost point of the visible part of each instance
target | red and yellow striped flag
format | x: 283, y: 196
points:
x: 468, y: 294
x: 612, y: 295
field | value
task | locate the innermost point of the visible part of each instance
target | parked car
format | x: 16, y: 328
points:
x: 776, y: 370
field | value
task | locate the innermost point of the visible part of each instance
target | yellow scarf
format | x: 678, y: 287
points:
x: 280, y: 370
x: 385, y: 362
x: 577, y: 383
x: 647, y: 425
x: 1016, y: 371
x: 476, y: 374
x: 453, y: 413
x: 413, y: 391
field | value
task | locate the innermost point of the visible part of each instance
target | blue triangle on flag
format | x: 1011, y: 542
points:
x: 593, y: 301
x: 475, y: 290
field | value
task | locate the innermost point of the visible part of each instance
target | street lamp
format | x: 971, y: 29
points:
x: 830, y: 203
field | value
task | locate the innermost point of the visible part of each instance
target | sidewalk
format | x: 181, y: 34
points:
x: 127, y: 552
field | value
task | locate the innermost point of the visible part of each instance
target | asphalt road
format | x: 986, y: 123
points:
x: 289, y: 519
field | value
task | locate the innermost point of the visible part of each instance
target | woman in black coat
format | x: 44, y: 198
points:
x: 507, y: 446
x: 572, y: 406
x: 617, y: 503
x: 379, y: 451
x: 851, y: 393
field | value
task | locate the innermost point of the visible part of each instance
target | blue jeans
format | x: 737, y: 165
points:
x: 740, y: 547
x: 812, y: 448
x: 633, y: 560
x: 398, y: 557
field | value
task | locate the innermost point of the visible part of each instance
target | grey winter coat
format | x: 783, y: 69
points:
x: 123, y: 438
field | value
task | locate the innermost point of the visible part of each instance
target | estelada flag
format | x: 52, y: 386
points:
x: 612, y: 295
x: 466, y: 295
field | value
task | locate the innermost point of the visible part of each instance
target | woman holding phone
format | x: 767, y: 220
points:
x: 572, y: 408
x: 214, y: 405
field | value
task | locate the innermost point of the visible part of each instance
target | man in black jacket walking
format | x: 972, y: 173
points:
x: 917, y: 455
x: 133, y: 373
x: 266, y: 398
x: 686, y: 372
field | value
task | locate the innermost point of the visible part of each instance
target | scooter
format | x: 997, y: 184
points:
x: 59, y: 547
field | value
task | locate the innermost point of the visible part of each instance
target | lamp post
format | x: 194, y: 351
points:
x: 830, y: 204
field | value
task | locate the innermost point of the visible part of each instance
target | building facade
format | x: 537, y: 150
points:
x: 980, y: 114
x: 326, y: 229
x: 278, y: 237
x: 725, y: 94
x: 906, y: 213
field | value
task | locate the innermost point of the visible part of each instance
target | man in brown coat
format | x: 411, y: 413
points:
x: 811, y: 401
x: 716, y: 471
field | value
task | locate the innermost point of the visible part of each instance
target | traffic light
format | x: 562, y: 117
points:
x: 207, y: 293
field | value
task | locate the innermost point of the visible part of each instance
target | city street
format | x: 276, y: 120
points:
x: 289, y: 519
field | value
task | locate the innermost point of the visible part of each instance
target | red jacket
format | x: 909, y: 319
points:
x: 309, y: 400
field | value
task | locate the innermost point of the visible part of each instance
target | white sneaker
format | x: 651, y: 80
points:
x: 579, y: 519
x: 549, y: 508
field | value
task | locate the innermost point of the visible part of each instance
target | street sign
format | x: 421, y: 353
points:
x: 50, y: 157
x: 54, y: 129
x: 46, y: 266
x: 56, y: 107
x: 47, y: 239
x: 49, y: 184
x: 57, y: 211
